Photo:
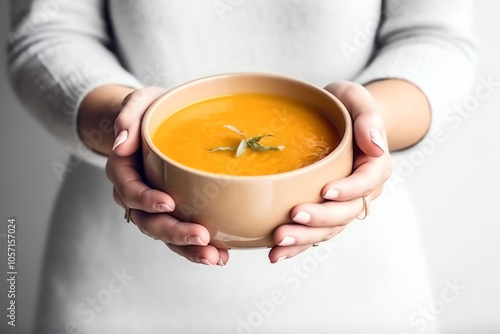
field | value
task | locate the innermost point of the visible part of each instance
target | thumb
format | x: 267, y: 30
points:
x: 369, y: 134
x: 128, y: 122
x: 368, y: 123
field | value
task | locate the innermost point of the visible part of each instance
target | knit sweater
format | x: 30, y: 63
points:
x: 103, y: 276
x: 60, y: 50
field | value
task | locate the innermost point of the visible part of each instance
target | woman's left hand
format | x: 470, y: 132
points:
x: 344, y: 197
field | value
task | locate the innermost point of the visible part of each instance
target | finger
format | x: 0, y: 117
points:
x: 128, y: 122
x: 208, y: 255
x: 368, y: 175
x: 122, y: 172
x: 166, y: 228
x: 297, y: 234
x: 331, y: 214
x: 327, y: 214
x: 368, y: 124
x: 279, y: 253
x: 118, y: 199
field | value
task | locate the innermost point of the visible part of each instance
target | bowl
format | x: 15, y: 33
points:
x: 243, y: 211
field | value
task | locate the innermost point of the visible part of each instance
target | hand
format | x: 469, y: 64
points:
x: 344, y: 198
x: 150, y: 207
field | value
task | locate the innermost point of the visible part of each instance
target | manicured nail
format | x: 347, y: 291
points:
x: 287, y: 241
x: 302, y: 217
x: 377, y: 139
x: 194, y: 240
x: 220, y: 263
x: 163, y: 207
x: 120, y: 139
x: 205, y: 261
x: 331, y: 194
x: 283, y: 258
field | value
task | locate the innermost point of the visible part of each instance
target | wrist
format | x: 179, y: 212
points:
x: 405, y: 110
x: 97, y: 114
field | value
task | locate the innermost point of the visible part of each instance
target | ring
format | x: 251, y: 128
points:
x: 316, y: 244
x: 128, y: 214
x: 365, y: 209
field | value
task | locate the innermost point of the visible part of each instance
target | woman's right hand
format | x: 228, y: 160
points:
x: 151, y: 207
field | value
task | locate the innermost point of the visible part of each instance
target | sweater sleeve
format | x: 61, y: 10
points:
x: 430, y: 44
x: 59, y: 51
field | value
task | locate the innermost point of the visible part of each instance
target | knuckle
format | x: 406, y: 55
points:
x: 168, y: 232
x: 117, y: 197
x: 377, y: 192
x: 193, y: 253
x: 387, y: 174
x: 327, y: 220
x: 145, y: 197
x: 123, y: 190
x: 136, y: 95
x: 128, y: 192
x: 173, y: 235
x: 368, y: 192
x: 390, y: 168
x: 351, y: 91
x: 109, y: 168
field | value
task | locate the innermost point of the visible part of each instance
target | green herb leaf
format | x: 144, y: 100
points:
x: 258, y: 138
x: 242, y: 147
x: 258, y: 147
x: 224, y: 148
x: 230, y: 127
x: 252, y: 142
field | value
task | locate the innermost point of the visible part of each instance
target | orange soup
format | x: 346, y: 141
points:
x: 280, y: 134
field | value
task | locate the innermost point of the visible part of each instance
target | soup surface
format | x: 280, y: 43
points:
x: 203, y: 135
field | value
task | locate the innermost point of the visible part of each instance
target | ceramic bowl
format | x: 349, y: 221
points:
x: 243, y: 211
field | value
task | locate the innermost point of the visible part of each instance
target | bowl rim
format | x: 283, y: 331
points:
x: 346, y: 138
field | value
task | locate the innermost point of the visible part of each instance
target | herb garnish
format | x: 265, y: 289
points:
x: 252, y: 142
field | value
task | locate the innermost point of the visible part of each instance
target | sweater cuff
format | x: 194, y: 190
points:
x: 419, y: 64
x: 74, y: 98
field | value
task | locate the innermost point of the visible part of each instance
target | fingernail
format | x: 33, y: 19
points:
x: 377, y: 139
x: 302, y: 217
x: 220, y: 263
x: 331, y: 194
x: 120, y: 139
x: 287, y: 241
x: 195, y: 240
x: 205, y: 261
x: 281, y: 259
x: 163, y: 207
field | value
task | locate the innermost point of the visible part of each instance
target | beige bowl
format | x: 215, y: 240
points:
x: 243, y: 211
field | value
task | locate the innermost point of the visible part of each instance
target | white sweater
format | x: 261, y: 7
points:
x: 102, y: 276
x: 60, y: 50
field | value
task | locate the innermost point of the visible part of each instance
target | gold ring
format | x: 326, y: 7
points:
x: 128, y: 214
x: 365, y: 209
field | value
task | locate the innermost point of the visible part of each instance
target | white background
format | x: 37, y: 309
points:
x: 455, y: 189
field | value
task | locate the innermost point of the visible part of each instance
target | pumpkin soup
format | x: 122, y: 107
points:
x: 247, y: 134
